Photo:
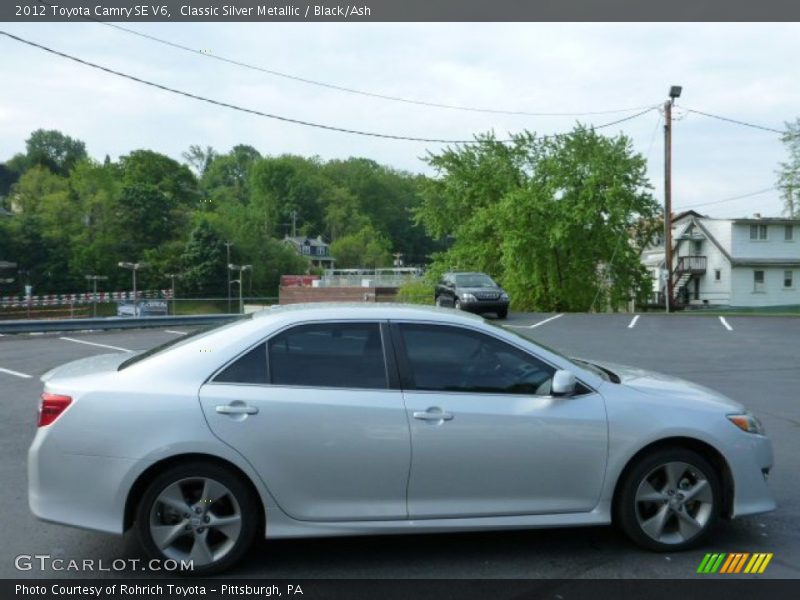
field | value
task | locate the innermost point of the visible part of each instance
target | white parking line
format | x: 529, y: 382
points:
x: 17, y: 373
x: 66, y: 339
x: 545, y: 321
x: 725, y: 324
x: 175, y: 331
x: 633, y: 322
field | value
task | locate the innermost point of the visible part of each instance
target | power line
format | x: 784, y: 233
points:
x: 751, y: 194
x: 280, y: 117
x: 349, y: 90
x: 736, y: 121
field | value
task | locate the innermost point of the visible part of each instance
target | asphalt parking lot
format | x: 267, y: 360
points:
x: 752, y: 359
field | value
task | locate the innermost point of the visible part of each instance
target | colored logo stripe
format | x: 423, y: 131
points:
x: 758, y: 563
x: 734, y: 562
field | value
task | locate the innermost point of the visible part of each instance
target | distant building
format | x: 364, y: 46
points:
x: 746, y: 262
x: 315, y: 250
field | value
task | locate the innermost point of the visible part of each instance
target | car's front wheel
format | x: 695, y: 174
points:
x: 669, y: 500
x: 199, y: 512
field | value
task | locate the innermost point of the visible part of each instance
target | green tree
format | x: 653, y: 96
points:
x: 555, y: 219
x: 789, y: 172
x: 366, y: 248
x: 51, y: 149
x: 203, y: 260
x: 227, y: 177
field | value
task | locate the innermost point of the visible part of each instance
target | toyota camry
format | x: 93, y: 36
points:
x: 325, y: 420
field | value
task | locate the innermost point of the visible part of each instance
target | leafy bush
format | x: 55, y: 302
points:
x: 416, y: 292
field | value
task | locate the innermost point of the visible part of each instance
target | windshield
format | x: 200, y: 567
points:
x: 474, y: 280
x: 176, y: 342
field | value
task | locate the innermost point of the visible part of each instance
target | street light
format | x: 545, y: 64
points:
x: 172, y: 276
x: 133, y: 268
x: 94, y: 279
x: 241, y: 269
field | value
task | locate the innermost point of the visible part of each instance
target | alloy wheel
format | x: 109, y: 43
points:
x: 674, y: 503
x: 197, y: 519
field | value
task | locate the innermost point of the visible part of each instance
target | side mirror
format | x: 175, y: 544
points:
x: 563, y: 383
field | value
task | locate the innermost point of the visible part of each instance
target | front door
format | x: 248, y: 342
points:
x: 487, y: 436
x: 312, y: 412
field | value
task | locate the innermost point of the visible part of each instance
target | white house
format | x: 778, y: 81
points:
x: 730, y: 262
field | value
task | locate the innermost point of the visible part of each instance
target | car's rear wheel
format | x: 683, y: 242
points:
x: 669, y: 500
x: 439, y: 301
x: 199, y: 512
x: 457, y: 304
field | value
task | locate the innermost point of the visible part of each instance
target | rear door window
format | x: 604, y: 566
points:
x: 337, y: 355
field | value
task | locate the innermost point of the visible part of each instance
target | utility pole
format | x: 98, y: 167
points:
x: 228, y: 256
x: 294, y: 223
x: 93, y: 279
x: 674, y: 92
x: 172, y: 277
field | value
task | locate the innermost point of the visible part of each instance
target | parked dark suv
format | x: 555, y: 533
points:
x: 475, y: 292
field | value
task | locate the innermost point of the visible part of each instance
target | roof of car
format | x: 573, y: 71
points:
x: 355, y: 310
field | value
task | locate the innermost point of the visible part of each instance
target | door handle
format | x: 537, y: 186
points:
x: 433, y: 414
x: 236, y: 409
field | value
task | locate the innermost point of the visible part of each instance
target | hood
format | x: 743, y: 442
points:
x: 87, y: 366
x: 669, y: 387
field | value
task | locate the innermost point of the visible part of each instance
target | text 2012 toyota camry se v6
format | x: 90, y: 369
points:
x: 339, y: 420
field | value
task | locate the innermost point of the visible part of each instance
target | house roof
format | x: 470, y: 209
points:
x: 767, y: 220
x: 302, y: 240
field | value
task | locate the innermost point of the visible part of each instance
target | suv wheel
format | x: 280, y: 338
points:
x: 670, y: 500
x: 457, y: 304
x: 199, y: 512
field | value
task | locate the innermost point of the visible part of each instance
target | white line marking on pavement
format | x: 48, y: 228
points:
x: 66, y: 339
x: 176, y: 332
x: 17, y: 373
x: 725, y: 324
x: 545, y: 321
x: 633, y: 322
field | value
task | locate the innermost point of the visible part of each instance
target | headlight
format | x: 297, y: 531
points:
x: 468, y: 298
x: 503, y: 296
x: 747, y: 422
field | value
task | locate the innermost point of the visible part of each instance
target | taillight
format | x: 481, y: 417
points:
x: 51, y: 407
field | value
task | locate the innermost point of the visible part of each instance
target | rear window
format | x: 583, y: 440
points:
x: 178, y: 341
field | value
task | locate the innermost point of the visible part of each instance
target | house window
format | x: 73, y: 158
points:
x: 788, y: 233
x: 758, y: 281
x: 788, y: 281
x: 698, y: 246
x: 758, y: 232
x: 717, y: 275
x: 306, y: 249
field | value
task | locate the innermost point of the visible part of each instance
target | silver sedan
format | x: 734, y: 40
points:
x: 339, y: 420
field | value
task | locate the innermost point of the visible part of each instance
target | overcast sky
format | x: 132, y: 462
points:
x: 743, y: 71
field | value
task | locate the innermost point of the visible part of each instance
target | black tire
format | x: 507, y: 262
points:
x: 152, y: 510
x: 457, y: 304
x: 630, y: 514
x: 438, y: 301
x: 502, y: 314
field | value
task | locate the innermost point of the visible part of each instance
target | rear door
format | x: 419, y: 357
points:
x: 313, y: 410
x: 487, y: 437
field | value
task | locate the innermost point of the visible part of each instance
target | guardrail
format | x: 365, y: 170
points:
x: 50, y: 326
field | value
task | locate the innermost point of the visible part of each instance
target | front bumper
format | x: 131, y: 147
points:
x: 750, y: 460
x: 482, y: 306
